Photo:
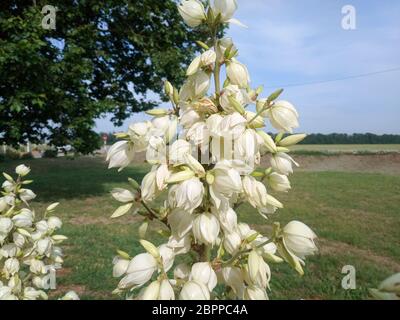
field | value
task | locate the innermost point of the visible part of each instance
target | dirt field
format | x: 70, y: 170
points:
x: 384, y: 163
x: 372, y: 163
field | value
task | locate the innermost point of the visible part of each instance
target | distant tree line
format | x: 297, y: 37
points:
x: 356, y: 138
x: 319, y: 138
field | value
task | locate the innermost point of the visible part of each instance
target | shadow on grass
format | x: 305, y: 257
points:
x: 61, y: 178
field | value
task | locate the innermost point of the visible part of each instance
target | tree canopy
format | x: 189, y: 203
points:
x: 102, y: 57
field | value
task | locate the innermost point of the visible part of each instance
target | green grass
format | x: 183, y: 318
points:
x: 355, y: 215
x: 332, y: 149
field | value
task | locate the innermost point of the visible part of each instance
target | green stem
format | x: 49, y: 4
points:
x: 239, y: 253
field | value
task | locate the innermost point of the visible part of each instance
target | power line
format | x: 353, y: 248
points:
x: 333, y: 80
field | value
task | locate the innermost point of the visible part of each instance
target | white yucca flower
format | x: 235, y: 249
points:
x: 205, y: 154
x: 28, y: 246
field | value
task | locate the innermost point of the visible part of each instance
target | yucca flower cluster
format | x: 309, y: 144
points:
x: 205, y: 154
x: 29, y: 244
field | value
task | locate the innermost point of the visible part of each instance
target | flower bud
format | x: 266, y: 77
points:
x: 150, y: 248
x: 122, y: 195
x: 292, y: 140
x: 168, y: 88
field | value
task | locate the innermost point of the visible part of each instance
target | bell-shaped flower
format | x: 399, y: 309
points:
x: 194, y: 290
x: 187, y: 195
x: 200, y: 83
x: 226, y: 8
x: 24, y: 219
x: 178, y: 150
x: 167, y: 256
x: 237, y: 73
x: 54, y: 223
x: 258, y: 272
x: 6, y: 226
x: 11, y: 267
x: 255, y: 293
x: 224, y: 44
x: 226, y: 182
x: 9, y: 250
x: 255, y: 192
x: 235, y: 92
x: 299, y: 239
x: 282, y: 163
x: 199, y: 135
x: 140, y: 270
x: 227, y: 219
x: 26, y: 195
x: 192, y: 12
x: 139, y: 135
x: 120, y: 155
x: 189, y: 117
x: 22, y: 170
x: 283, y: 116
x: 245, y: 231
x: 232, y: 242
x: 204, y: 273
x: 149, y: 186
x: 232, y: 126
x: 6, y: 293
x: 158, y: 290
x: 391, y: 284
x: 279, y: 182
x: 208, y: 58
x: 120, y: 266
x: 44, y: 246
x: 247, y: 147
x: 233, y: 277
x: 206, y: 228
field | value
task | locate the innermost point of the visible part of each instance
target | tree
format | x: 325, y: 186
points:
x: 103, y: 57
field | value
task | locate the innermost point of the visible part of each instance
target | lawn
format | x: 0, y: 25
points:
x: 355, y: 215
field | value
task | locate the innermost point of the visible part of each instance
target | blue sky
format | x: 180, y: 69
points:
x: 295, y: 42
